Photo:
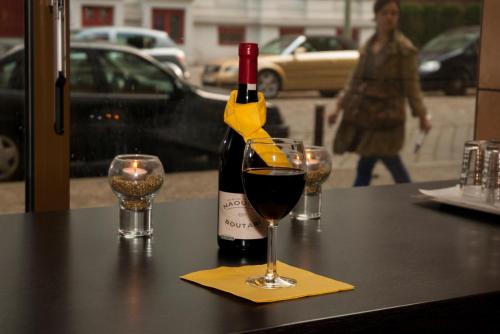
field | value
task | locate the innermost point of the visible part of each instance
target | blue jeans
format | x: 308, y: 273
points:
x: 392, y: 162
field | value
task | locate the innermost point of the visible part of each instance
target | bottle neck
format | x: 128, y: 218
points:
x: 247, y: 93
x: 247, y: 87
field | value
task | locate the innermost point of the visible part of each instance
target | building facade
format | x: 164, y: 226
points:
x: 208, y: 29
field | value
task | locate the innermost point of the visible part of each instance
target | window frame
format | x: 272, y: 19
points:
x: 46, y: 153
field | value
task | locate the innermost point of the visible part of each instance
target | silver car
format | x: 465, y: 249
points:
x: 154, y: 43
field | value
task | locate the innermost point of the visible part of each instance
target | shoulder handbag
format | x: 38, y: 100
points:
x: 370, y: 107
x: 351, y: 105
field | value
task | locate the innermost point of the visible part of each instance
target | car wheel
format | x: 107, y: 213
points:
x: 269, y: 83
x: 328, y: 93
x: 10, y: 156
x: 456, y: 85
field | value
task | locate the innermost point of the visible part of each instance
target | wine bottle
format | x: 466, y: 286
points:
x: 240, y: 228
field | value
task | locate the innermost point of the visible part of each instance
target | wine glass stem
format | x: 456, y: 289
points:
x: 271, y: 250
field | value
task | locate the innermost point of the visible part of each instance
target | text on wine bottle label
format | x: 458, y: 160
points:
x: 237, y: 218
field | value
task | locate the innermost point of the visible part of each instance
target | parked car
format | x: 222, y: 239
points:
x: 122, y: 101
x: 449, y: 62
x: 293, y: 62
x: 155, y: 43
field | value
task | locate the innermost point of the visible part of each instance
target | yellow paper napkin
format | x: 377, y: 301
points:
x: 232, y: 280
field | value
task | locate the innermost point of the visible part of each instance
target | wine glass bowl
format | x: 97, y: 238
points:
x: 273, y: 175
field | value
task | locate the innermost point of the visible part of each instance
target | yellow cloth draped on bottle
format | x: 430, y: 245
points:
x: 247, y: 120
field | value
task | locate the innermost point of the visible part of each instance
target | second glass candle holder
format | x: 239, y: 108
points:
x: 319, y: 166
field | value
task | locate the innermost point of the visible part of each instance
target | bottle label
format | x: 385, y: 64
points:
x: 237, y: 218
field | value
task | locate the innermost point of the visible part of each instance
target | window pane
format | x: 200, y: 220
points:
x: 12, y: 95
x: 96, y: 15
x: 291, y: 31
x: 100, y: 37
x: 127, y: 73
x: 134, y: 40
x: 169, y: 20
x: 174, y: 109
x: 82, y: 76
x: 175, y: 28
x: 231, y: 35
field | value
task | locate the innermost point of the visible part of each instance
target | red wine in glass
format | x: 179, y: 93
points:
x: 273, y: 192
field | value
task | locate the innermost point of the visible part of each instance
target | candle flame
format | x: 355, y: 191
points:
x: 308, y: 156
x: 134, y: 164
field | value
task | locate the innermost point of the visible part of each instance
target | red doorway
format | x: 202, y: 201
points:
x: 12, y: 18
x: 171, y: 21
x: 93, y: 16
x: 354, y: 33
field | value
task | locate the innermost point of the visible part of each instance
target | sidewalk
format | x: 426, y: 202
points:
x: 95, y: 192
x: 439, y: 158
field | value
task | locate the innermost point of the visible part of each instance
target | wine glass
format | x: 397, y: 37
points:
x: 273, y: 174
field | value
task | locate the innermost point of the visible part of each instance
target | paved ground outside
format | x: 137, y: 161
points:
x: 439, y: 158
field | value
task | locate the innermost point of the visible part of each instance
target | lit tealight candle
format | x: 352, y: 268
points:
x: 311, y: 162
x: 134, y: 172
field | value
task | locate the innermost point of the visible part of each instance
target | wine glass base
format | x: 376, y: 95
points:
x: 276, y: 282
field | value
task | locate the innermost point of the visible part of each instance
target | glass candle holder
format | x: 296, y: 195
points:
x: 135, y: 179
x: 491, y: 174
x: 318, y: 168
x: 471, y: 175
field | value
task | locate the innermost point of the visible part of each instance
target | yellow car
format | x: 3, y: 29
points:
x: 293, y: 62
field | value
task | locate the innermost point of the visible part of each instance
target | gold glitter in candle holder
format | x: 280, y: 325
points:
x: 136, y: 204
x: 314, y: 178
x: 125, y: 187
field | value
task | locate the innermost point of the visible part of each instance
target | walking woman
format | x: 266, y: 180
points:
x: 373, y: 123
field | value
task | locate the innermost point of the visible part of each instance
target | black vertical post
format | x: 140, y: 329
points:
x: 319, y: 116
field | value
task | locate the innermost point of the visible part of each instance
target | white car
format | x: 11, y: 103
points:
x: 154, y: 43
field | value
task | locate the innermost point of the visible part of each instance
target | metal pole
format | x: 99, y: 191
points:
x: 347, y: 19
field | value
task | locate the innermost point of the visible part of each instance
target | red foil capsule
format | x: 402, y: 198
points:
x: 248, y: 53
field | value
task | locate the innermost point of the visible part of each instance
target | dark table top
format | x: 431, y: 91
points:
x: 415, y: 264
